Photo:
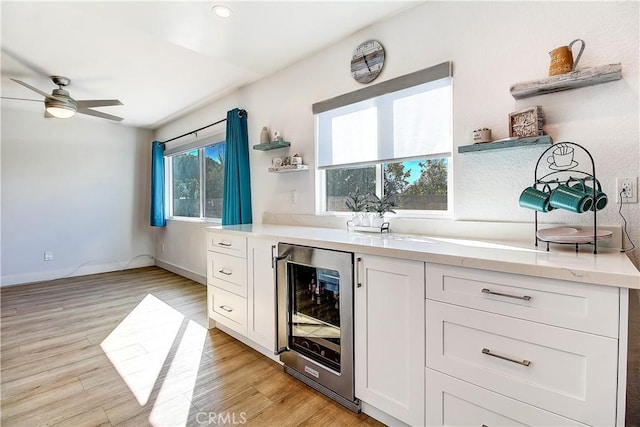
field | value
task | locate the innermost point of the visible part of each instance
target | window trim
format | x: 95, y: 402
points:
x: 321, y: 202
x: 168, y: 164
x: 430, y: 74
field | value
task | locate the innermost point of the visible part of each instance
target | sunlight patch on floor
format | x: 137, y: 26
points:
x: 181, y: 378
x: 153, y: 325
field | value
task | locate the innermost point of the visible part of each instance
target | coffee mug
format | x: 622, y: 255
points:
x: 601, y: 198
x: 562, y: 156
x: 532, y: 198
x: 571, y: 199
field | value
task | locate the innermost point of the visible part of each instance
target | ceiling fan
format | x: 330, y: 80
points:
x: 60, y: 105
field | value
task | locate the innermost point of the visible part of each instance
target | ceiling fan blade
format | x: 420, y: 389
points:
x: 89, y: 103
x: 21, y: 99
x: 100, y: 114
x: 25, y: 62
x: 36, y: 90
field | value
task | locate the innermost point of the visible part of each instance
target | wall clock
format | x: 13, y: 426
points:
x: 367, y: 61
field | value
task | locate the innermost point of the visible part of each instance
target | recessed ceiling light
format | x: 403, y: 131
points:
x: 221, y: 10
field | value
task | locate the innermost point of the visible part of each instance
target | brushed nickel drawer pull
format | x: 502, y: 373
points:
x: 225, y: 272
x: 489, y: 291
x: 227, y: 309
x: 519, y: 362
x: 223, y: 243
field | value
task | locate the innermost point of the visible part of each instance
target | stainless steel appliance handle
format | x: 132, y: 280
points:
x: 358, y: 263
x: 522, y: 297
x: 274, y: 263
x: 523, y: 362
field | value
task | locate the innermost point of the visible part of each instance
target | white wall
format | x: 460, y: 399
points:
x: 79, y: 188
x: 492, y: 45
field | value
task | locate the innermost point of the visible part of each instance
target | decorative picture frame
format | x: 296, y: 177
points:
x: 526, y: 123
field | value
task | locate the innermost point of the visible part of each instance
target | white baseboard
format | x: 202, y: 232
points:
x: 83, y: 270
x: 196, y: 277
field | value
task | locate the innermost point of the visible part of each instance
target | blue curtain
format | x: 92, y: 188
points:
x: 236, y: 202
x: 157, y: 185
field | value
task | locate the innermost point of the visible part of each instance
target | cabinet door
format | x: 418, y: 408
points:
x: 452, y: 402
x: 562, y: 371
x: 261, y: 292
x: 389, y: 336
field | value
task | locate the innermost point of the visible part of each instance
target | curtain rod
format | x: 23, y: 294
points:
x: 240, y: 114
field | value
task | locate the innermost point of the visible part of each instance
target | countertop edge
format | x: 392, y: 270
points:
x: 442, y: 252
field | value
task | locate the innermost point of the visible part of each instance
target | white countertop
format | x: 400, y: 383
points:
x: 608, y: 267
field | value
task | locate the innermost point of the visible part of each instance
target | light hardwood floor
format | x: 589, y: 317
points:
x: 131, y: 348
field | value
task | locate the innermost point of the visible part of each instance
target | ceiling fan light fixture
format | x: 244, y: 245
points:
x: 221, y: 11
x: 60, y: 108
x: 61, y: 111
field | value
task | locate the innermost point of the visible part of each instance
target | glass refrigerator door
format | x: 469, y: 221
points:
x: 314, y: 326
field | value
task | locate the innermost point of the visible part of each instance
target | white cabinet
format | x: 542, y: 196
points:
x: 227, y: 280
x: 227, y: 308
x: 241, y: 285
x: 456, y: 403
x: 523, y: 348
x: 261, y: 291
x: 389, y: 336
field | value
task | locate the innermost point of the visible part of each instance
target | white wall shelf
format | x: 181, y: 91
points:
x: 289, y: 168
x: 586, y: 77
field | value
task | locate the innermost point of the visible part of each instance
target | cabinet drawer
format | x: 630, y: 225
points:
x: 227, y: 244
x: 583, y: 307
x: 228, y: 309
x: 451, y: 402
x: 227, y: 272
x: 559, y: 370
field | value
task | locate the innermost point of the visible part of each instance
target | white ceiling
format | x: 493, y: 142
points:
x: 163, y: 59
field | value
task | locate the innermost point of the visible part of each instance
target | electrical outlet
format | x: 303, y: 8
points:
x: 48, y: 255
x: 627, y: 190
x: 292, y: 196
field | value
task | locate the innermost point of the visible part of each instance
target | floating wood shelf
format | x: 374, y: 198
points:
x: 289, y: 168
x: 271, y: 145
x: 508, y: 143
x: 584, y: 77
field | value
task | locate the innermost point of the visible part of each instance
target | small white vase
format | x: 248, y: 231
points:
x: 265, y: 138
x: 365, y: 220
x: 377, y: 220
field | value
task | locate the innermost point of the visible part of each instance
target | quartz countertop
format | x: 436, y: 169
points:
x: 608, y: 267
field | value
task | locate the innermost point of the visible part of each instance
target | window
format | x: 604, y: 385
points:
x: 195, y: 181
x: 392, y: 139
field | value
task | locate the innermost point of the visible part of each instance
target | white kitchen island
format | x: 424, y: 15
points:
x: 482, y: 333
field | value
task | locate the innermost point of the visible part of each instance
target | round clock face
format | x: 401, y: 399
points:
x: 367, y: 61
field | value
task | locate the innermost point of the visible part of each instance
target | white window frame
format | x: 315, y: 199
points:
x: 168, y: 173
x: 420, y: 77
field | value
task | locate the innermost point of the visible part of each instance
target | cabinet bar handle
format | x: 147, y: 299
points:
x: 227, y: 309
x: 225, y: 272
x: 358, y: 282
x: 519, y: 362
x: 489, y: 291
x: 224, y: 243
